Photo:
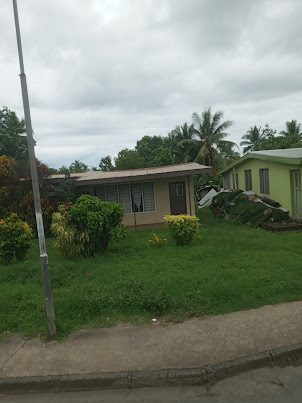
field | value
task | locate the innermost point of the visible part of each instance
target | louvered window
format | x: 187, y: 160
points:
x: 264, y: 180
x: 226, y: 181
x: 148, y: 196
x: 111, y: 193
x: 125, y: 197
x: 100, y: 192
x: 136, y: 197
x: 248, y: 179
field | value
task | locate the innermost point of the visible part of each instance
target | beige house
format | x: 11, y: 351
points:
x: 147, y: 194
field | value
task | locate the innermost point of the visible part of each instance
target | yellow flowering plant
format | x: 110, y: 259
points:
x: 183, y: 227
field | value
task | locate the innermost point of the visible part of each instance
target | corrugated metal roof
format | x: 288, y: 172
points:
x: 291, y: 156
x: 130, y: 175
x: 285, y: 153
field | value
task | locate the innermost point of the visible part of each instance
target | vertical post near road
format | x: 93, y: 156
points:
x: 33, y: 170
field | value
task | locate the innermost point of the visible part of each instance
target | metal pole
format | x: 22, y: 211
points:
x: 33, y: 170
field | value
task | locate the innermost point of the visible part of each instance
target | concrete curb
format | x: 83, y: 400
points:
x: 288, y: 355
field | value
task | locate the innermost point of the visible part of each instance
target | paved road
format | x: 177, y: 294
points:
x: 264, y: 385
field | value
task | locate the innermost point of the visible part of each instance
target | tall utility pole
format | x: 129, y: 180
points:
x: 34, y: 176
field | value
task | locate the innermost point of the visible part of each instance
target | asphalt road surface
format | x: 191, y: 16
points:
x: 263, y: 385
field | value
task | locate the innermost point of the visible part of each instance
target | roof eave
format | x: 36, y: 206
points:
x: 280, y: 160
x: 143, y: 177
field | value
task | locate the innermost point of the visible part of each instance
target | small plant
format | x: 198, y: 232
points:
x: 183, y: 227
x: 15, y: 237
x: 87, y: 226
x: 157, y: 241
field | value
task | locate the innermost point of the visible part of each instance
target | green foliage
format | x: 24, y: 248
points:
x: 229, y: 270
x: 183, y: 227
x: 149, y: 149
x: 86, y: 227
x: 157, y: 241
x: 106, y: 164
x: 78, y: 166
x: 12, y: 144
x: 165, y: 157
x: 75, y: 167
x: 15, y: 237
x: 66, y: 191
x: 129, y: 159
x: 265, y: 139
x: 70, y: 242
x: 118, y: 233
x: 16, y: 194
x: 237, y: 204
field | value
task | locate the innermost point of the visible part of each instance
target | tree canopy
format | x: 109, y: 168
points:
x: 12, y: 143
x: 265, y: 138
x: 129, y: 159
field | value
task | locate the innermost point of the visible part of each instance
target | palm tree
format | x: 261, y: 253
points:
x: 184, y: 132
x: 293, y: 132
x: 252, y: 139
x: 209, y: 133
x: 182, y: 150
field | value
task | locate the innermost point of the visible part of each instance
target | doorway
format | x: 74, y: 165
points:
x: 178, y: 203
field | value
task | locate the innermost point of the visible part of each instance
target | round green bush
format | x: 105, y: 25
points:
x: 15, y: 237
x: 87, y: 226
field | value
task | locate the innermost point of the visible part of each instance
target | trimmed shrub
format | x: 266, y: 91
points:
x: 15, y: 237
x: 183, y: 227
x: 87, y: 226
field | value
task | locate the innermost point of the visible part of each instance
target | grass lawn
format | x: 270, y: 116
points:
x: 231, y: 267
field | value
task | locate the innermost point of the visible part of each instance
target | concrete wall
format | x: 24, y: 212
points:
x: 280, y: 180
x: 162, y: 202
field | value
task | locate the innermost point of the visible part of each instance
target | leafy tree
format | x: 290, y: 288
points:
x: 149, y: 149
x: 293, y: 132
x: 78, y: 166
x: 165, y: 157
x: 183, y: 132
x: 229, y: 155
x: 252, y: 139
x: 106, y: 164
x: 12, y: 143
x: 183, y: 151
x: 186, y: 150
x: 129, y: 159
x: 62, y: 170
x: 66, y: 191
x: 209, y: 133
x: 287, y: 139
x: 16, y: 195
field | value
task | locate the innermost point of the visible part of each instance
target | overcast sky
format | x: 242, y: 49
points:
x: 103, y: 73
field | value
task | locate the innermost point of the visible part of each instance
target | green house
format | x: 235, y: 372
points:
x: 272, y: 173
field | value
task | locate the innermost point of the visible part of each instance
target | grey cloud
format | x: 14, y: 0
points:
x: 102, y: 74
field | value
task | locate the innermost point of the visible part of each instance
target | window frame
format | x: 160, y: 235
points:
x: 227, y: 181
x: 130, y: 195
x: 264, y: 187
x: 248, y: 172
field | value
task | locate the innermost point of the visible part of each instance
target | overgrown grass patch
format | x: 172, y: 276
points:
x: 230, y: 267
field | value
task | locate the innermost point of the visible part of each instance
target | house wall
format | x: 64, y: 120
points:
x: 162, y: 202
x: 280, y: 180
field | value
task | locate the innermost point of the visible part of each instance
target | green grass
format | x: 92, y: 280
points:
x: 230, y: 267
